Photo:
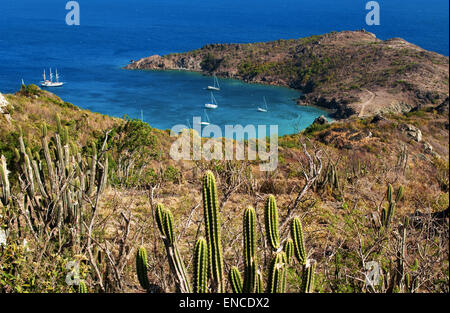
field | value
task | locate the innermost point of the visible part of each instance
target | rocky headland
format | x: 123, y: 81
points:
x: 349, y: 72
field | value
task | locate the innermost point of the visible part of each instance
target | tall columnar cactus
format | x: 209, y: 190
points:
x: 389, y: 193
x: 159, y: 217
x: 164, y: 220
x: 271, y: 221
x: 298, y: 240
x: 289, y: 250
x: 259, y: 282
x: 141, y: 267
x: 250, y: 260
x: 277, y: 274
x: 4, y: 182
x: 399, y: 195
x: 200, y: 266
x: 212, y: 229
x: 236, y: 280
x: 308, y: 277
x: 82, y: 287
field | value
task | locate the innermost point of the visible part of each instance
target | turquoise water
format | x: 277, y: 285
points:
x: 167, y: 98
x: 90, y: 57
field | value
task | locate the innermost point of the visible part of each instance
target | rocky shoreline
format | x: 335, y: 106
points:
x: 350, y: 73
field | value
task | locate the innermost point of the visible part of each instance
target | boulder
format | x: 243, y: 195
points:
x: 3, y: 103
x: 428, y: 148
x: 321, y: 120
x: 412, y: 132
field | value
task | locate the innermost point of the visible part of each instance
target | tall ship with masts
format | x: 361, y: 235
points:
x: 49, y: 82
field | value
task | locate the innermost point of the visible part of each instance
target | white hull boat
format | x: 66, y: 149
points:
x: 216, y: 86
x: 207, y: 120
x: 49, y: 82
x: 264, y: 109
x: 213, y: 104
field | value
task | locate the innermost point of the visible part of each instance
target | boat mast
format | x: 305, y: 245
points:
x: 51, y: 75
x: 57, y: 76
x: 44, y: 76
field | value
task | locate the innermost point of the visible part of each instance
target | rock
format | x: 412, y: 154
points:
x: 412, y: 132
x: 321, y: 120
x: 361, y: 135
x: 3, y: 237
x: 3, y: 103
x: 428, y: 148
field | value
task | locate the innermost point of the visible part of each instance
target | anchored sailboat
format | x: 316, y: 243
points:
x: 216, y: 86
x: 51, y: 83
x: 207, y: 120
x: 213, y: 104
x: 265, y: 106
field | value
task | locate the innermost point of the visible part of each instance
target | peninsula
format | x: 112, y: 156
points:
x: 349, y: 72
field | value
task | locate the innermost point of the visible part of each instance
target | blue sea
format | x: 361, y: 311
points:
x: 90, y: 57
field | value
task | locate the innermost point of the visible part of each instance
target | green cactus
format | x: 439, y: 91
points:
x: 236, y: 280
x: 141, y: 267
x: 164, y: 220
x: 250, y: 261
x: 168, y: 226
x: 399, y: 195
x: 82, y: 287
x: 259, y: 282
x: 289, y: 250
x: 271, y: 221
x: 200, y: 266
x: 159, y: 217
x: 308, y: 277
x: 387, y: 213
x: 389, y: 193
x: 276, y: 274
x: 212, y: 229
x: 299, y: 243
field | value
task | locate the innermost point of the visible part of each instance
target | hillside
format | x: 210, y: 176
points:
x: 352, y: 163
x: 350, y: 72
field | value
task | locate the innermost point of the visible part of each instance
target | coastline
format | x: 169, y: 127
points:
x: 333, y: 71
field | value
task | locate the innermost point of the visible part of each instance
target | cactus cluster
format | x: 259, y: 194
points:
x: 208, y: 253
x: 387, y: 213
x: 58, y: 184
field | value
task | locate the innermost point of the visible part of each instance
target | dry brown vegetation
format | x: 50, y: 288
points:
x: 341, y: 219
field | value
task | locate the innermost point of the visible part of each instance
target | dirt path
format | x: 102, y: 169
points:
x: 363, y: 105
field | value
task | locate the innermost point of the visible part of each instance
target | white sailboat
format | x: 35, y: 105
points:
x: 51, y: 83
x: 265, y: 106
x: 213, y: 104
x: 207, y: 120
x: 216, y: 86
